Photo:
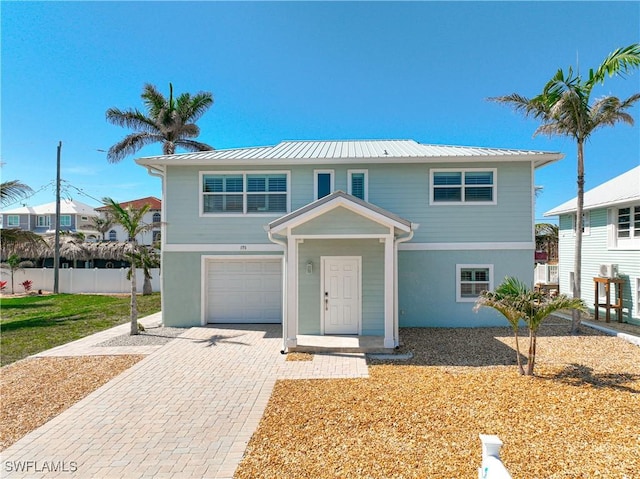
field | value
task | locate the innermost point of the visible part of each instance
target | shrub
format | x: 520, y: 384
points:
x: 27, y: 284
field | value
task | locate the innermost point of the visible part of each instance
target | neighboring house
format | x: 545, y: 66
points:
x: 75, y: 217
x: 611, y: 235
x: 343, y: 237
x: 153, y: 215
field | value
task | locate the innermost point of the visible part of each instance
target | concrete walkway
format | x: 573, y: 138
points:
x: 187, y: 410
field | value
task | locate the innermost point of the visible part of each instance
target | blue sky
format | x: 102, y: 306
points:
x: 299, y: 70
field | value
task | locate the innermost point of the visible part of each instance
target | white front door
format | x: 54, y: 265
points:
x: 341, y: 294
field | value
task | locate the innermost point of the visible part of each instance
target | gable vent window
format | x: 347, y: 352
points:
x: 245, y: 193
x: 470, y: 186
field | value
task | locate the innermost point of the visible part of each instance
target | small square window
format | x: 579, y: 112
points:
x: 471, y: 280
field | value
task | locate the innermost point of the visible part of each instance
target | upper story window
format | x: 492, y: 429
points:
x: 471, y: 280
x: 65, y: 220
x: 358, y: 184
x: 113, y: 236
x: 463, y: 186
x: 245, y: 193
x: 323, y: 183
x: 43, y: 221
x: 156, y: 218
x: 13, y: 221
x: 629, y: 222
x: 586, y: 223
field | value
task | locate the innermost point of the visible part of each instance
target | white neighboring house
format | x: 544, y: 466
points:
x: 75, y: 217
x: 611, y: 236
x: 153, y: 215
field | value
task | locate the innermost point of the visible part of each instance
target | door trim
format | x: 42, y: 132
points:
x: 358, y: 259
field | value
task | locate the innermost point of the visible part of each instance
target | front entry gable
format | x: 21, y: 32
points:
x: 340, y: 221
x: 339, y: 214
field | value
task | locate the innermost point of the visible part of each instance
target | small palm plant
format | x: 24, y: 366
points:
x: 516, y: 301
x: 14, y: 263
x: 131, y: 219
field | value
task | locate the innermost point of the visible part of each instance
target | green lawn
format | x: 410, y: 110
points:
x: 32, y: 324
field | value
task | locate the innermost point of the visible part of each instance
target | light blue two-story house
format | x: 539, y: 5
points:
x: 610, y: 241
x: 343, y: 237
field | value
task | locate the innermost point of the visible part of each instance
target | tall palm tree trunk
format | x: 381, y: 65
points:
x: 577, y: 263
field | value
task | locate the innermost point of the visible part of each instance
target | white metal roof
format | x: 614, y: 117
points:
x: 67, y: 207
x: 336, y: 151
x: 619, y: 190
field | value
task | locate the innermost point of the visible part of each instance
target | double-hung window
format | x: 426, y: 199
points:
x: 629, y: 222
x: 471, y: 280
x: 13, y: 221
x: 65, y: 220
x: 627, y: 227
x: 245, y: 193
x: 586, y: 223
x: 463, y: 186
x: 357, y: 185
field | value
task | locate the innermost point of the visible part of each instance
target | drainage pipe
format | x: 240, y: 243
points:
x: 285, y: 320
x: 403, y: 239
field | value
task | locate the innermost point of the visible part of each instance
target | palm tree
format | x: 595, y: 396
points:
x: 170, y: 121
x: 14, y: 263
x: 565, y: 109
x: 146, y: 259
x: 131, y: 220
x: 516, y: 301
x: 13, y: 190
x: 502, y: 301
x: 102, y: 224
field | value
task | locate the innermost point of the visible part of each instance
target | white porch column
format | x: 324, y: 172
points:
x: 389, y: 286
x: 291, y: 334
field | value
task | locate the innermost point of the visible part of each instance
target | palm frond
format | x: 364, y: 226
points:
x: 619, y: 62
x: 130, y: 145
x: 13, y: 190
x: 191, y: 145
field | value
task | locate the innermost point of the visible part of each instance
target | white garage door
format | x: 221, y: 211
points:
x: 244, y: 291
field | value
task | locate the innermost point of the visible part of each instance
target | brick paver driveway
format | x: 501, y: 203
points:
x: 185, y: 411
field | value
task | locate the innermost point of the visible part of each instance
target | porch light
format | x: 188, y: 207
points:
x: 309, y: 267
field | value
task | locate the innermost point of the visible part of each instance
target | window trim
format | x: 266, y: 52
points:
x: 47, y: 221
x: 586, y: 222
x: 332, y: 181
x: 11, y: 224
x: 459, y: 268
x: 350, y: 174
x: 613, y: 241
x: 462, y: 202
x: 244, y: 174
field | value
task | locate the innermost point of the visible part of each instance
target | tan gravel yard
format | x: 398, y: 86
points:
x: 35, y: 390
x: 579, y: 418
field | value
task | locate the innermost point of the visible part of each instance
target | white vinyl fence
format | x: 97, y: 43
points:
x: 97, y: 280
x: 546, y: 274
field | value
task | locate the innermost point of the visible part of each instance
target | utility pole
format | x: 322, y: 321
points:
x: 56, y: 253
